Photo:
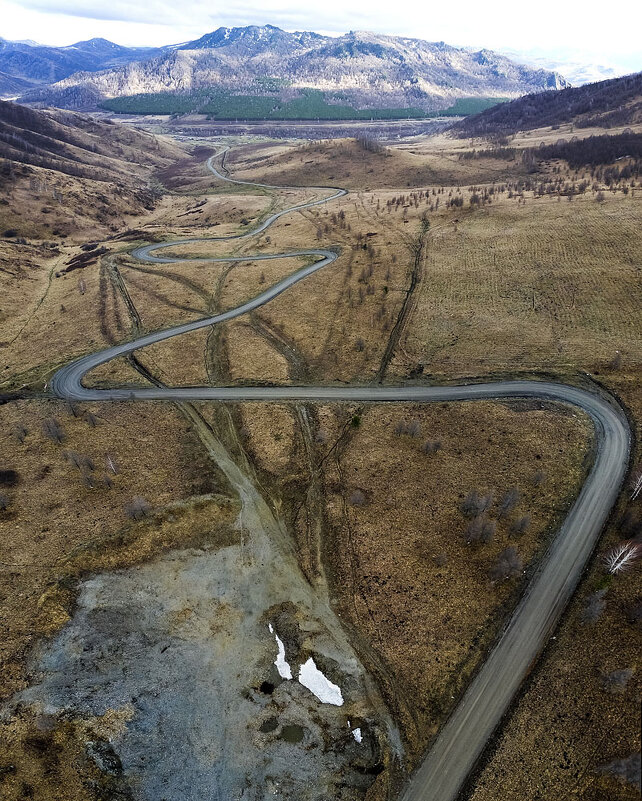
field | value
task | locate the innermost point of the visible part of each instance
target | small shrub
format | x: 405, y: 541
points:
x: 431, y: 446
x: 626, y: 770
x: 19, y: 432
x: 539, y: 478
x: 414, y: 428
x: 137, y: 508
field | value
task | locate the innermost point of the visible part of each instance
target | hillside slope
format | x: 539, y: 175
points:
x: 605, y: 104
x: 24, y: 65
x: 61, y: 172
x: 363, y: 70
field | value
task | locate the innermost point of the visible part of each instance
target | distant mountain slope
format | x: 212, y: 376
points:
x: 77, y: 145
x: 362, y: 70
x: 605, y: 104
x: 32, y: 64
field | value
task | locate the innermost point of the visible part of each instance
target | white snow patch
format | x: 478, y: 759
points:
x: 285, y: 671
x: 311, y: 677
x: 356, y: 733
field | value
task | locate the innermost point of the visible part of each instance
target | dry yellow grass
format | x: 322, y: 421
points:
x: 346, y: 163
x: 544, y: 287
x: 405, y: 578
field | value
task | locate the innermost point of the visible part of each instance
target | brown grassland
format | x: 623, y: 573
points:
x: 516, y: 285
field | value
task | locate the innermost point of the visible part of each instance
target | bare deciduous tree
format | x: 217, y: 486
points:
x: 475, y: 504
x: 520, y: 525
x: 52, y: 429
x: 480, y: 529
x: 620, y: 558
x: 508, y: 502
x: 508, y: 565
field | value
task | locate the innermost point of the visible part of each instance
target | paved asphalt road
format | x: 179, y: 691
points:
x: 465, y: 734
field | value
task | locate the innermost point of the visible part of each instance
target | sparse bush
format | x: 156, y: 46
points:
x: 594, y: 607
x: 321, y: 437
x: 634, y: 614
x: 19, y: 432
x: 357, y: 498
x: 414, y: 428
x: 4, y: 502
x: 137, y: 508
x: 441, y: 560
x: 52, y: 429
x: 508, y: 502
x: 616, y: 681
x: 359, y: 345
x: 630, y: 524
x: 626, y: 770
x: 480, y: 529
x: 508, y: 565
x: 520, y: 525
x: 475, y: 504
x: 91, y: 419
x: 616, y: 361
x: 431, y: 446
x: 539, y: 478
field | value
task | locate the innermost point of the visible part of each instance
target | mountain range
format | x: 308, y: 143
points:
x: 359, y: 70
x: 26, y: 64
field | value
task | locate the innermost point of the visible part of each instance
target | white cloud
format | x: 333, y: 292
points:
x: 599, y: 34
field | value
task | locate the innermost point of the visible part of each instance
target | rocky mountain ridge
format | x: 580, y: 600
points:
x: 359, y: 69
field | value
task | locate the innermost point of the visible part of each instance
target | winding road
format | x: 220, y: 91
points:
x: 462, y: 739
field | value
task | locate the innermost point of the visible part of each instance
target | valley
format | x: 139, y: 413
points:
x: 382, y: 409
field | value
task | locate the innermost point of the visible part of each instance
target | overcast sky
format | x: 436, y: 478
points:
x: 598, y: 34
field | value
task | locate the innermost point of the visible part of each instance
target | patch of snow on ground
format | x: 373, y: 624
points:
x: 356, y: 733
x: 285, y: 671
x: 311, y: 677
